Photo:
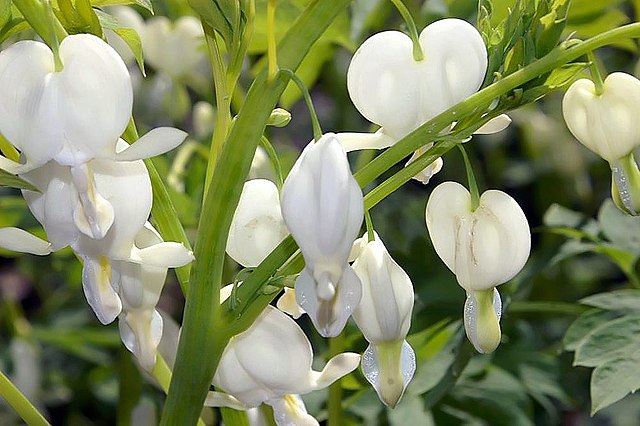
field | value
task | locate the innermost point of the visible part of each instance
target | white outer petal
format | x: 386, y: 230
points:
x: 495, y: 125
x: 141, y: 331
x: 485, y: 248
x: 16, y: 239
x: 98, y: 282
x: 257, y: 226
x: 384, y: 312
x: 606, y: 124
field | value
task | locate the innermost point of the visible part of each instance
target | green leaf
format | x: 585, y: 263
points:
x: 626, y: 301
x: 222, y: 16
x: 13, y: 181
x: 619, y: 228
x: 128, y: 35
x: 146, y: 4
x: 5, y: 12
x: 615, y: 339
x: 583, y: 325
x: 614, y: 380
x: 559, y: 216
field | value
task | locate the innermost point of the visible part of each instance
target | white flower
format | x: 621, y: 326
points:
x: 323, y: 208
x: 257, y: 226
x: 384, y: 317
x: 271, y: 363
x: 174, y: 48
x: 607, y: 123
x: 71, y: 115
x: 139, y: 288
x: 483, y: 248
x: 390, y: 88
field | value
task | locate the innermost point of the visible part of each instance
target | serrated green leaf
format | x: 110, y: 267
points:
x: 618, y: 338
x: 619, y: 228
x: 146, y: 4
x: 627, y: 301
x: 583, y: 325
x: 614, y: 380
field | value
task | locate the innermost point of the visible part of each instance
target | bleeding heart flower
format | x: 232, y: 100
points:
x: 323, y: 208
x: 606, y: 123
x: 257, y: 226
x: 390, y: 88
x: 483, y: 248
x: 70, y: 115
x: 384, y: 316
x: 271, y: 363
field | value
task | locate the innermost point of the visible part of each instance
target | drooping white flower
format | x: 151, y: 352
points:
x: 139, y: 288
x: 384, y: 317
x: 390, y: 88
x: 605, y: 123
x: 127, y: 187
x: 257, y: 226
x: 323, y: 208
x: 71, y: 115
x: 271, y: 363
x: 173, y: 48
x: 483, y: 248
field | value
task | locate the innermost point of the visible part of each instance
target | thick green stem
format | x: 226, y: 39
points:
x: 336, y: 346
x: 205, y: 331
x: 16, y: 399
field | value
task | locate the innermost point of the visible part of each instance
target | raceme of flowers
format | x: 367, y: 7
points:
x: 66, y: 120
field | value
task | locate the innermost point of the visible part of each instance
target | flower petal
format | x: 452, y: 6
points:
x: 155, y: 142
x: 98, y: 284
x: 287, y: 303
x: 357, y: 141
x: 219, y: 399
x: 289, y: 410
x: 483, y: 327
x: 337, y: 367
x: 141, y: 331
x: 495, y: 125
x: 16, y: 239
x: 166, y: 254
x: 389, y: 379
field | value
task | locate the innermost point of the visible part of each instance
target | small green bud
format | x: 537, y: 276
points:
x: 279, y: 118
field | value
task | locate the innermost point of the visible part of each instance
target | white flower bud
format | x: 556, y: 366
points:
x: 384, y: 317
x: 257, y: 226
x: 607, y: 124
x: 391, y: 89
x: 270, y: 362
x: 174, y: 48
x: 483, y: 248
x: 323, y: 208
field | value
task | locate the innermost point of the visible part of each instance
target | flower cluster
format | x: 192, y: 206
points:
x: 65, y: 112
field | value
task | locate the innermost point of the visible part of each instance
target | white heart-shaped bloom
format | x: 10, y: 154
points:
x: 271, y: 360
x: 483, y: 248
x: 257, y: 226
x: 384, y: 317
x: 607, y: 124
x: 390, y: 88
x: 71, y: 115
x: 173, y: 48
x: 323, y: 208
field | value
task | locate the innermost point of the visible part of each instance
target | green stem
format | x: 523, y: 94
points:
x: 205, y: 332
x: 596, y: 74
x: 336, y: 346
x: 275, y: 161
x: 16, y: 399
x: 223, y: 103
x: 418, y: 54
x: 371, y: 236
x: 473, y: 185
x: 272, y: 58
x: 317, y: 130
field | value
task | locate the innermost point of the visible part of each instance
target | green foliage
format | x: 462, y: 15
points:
x: 145, y: 4
x: 13, y: 181
x: 128, y: 35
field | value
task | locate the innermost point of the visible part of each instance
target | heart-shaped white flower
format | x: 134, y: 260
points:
x: 606, y: 123
x: 390, y: 88
x: 483, y: 248
x: 71, y: 115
